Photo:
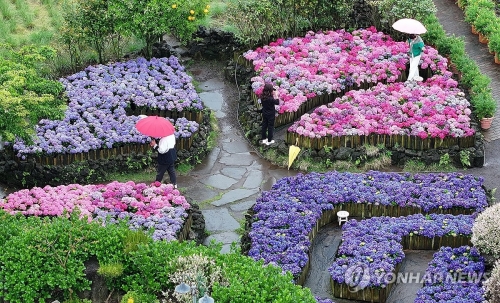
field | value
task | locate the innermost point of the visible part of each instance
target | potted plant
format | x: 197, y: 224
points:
x: 494, y: 44
x: 485, y: 19
x: 484, y: 108
x: 471, y: 12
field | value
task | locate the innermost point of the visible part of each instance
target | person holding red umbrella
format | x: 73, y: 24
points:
x: 166, y: 158
x: 159, y: 127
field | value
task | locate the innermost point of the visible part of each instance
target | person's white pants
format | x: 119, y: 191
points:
x: 413, y: 74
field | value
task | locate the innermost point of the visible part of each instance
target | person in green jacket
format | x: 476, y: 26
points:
x: 416, y: 48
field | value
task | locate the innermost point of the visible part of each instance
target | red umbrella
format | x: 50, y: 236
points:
x: 154, y: 126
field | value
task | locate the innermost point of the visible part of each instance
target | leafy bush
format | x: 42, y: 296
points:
x: 251, y: 281
x: 486, y: 230
x: 260, y: 21
x: 137, y: 297
x: 47, y: 256
x: 392, y: 10
x: 25, y: 96
x: 44, y: 258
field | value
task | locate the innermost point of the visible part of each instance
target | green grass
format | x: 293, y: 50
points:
x: 241, y: 230
x: 6, y: 10
x: 26, y: 12
x: 146, y: 176
x: 214, y: 133
x: 216, y: 17
x: 43, y: 37
x: 29, y: 22
x: 184, y: 168
x: 307, y: 164
x: 208, y: 201
x: 416, y: 166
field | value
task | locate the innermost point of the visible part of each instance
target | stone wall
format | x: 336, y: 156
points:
x: 208, y: 44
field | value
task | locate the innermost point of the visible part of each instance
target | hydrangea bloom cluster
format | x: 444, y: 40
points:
x: 375, y: 243
x: 328, y: 62
x: 426, y: 191
x: 285, y: 215
x: 453, y: 275
x: 434, y: 109
x: 99, y: 97
x: 158, y: 207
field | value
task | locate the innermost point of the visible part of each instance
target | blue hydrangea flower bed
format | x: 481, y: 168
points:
x: 454, y: 275
x: 375, y: 244
x: 285, y: 216
x: 99, y: 98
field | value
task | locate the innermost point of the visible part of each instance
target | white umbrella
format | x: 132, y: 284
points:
x: 409, y: 26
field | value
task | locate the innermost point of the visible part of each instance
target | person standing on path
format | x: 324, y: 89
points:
x: 166, y: 158
x: 416, y: 48
x: 268, y: 100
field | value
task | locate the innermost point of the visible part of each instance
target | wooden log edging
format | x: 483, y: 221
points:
x: 405, y: 141
x: 368, y: 294
x: 186, y: 228
x: 104, y: 153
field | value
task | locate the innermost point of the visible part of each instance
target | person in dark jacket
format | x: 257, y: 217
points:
x: 166, y: 158
x: 268, y: 99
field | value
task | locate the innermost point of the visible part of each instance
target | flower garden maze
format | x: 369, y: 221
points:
x: 287, y: 217
x: 423, y: 211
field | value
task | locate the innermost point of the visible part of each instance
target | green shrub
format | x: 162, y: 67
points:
x: 49, y: 255
x: 137, y: 297
x: 251, y: 281
x: 485, y: 18
x: 484, y: 105
x: 25, y: 96
x: 392, y: 10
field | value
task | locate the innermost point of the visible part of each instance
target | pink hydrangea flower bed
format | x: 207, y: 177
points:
x: 434, y: 109
x: 328, y: 62
x: 148, y: 204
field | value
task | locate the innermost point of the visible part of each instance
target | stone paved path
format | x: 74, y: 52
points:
x: 451, y: 18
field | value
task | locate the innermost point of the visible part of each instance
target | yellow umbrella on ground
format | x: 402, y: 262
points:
x: 293, y: 151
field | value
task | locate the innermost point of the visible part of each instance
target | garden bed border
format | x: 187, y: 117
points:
x: 364, y: 210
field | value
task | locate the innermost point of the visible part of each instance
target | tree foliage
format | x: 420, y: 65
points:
x: 25, y: 96
x: 100, y: 23
x: 261, y: 20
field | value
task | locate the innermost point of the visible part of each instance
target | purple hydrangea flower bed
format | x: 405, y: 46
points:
x: 157, y: 84
x: 98, y: 98
x: 426, y: 191
x: 285, y: 215
x: 375, y: 244
x: 454, y: 275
